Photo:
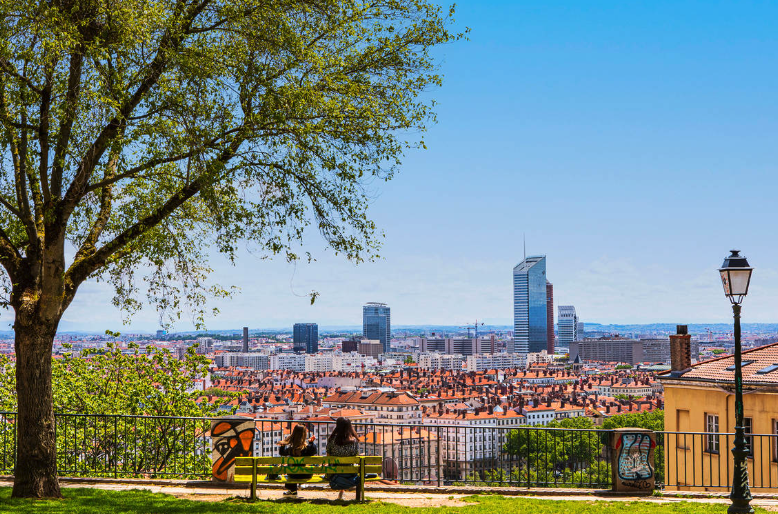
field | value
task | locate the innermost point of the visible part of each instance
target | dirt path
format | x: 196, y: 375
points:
x: 407, y: 499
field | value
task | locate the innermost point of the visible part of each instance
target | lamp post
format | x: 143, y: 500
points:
x: 735, y: 277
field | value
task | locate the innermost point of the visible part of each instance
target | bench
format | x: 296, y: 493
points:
x: 257, y: 469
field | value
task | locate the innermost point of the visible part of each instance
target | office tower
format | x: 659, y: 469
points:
x: 306, y: 337
x: 376, y: 323
x: 530, y: 306
x: 245, y: 339
x: 579, y: 331
x: 567, y: 325
x: 550, y: 317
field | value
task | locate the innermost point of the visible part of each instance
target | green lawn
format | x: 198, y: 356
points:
x: 96, y: 500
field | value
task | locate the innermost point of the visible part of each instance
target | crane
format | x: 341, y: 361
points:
x: 474, y: 326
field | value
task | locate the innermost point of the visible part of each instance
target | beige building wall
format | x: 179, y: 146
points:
x: 687, y: 456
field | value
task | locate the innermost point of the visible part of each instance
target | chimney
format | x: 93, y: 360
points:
x: 680, y: 350
x: 245, y: 339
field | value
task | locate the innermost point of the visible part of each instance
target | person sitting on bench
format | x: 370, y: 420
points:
x: 297, y: 445
x: 343, y: 442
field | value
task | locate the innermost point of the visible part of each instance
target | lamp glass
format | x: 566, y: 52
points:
x: 739, y: 280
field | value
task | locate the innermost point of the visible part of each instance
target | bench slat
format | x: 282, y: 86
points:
x: 319, y: 479
x: 314, y: 470
x: 266, y: 461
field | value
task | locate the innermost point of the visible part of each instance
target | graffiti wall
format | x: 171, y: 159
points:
x: 231, y: 438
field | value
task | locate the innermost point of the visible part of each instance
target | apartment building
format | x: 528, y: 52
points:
x: 472, y: 442
x: 483, y: 362
x: 436, y: 361
x: 386, y: 407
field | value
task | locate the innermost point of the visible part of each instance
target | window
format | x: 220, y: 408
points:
x: 748, y: 428
x: 712, y: 427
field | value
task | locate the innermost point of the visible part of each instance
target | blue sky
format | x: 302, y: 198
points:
x: 633, y: 142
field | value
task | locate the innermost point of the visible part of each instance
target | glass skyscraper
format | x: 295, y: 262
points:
x: 530, y: 306
x: 306, y: 337
x: 567, y: 325
x: 376, y: 323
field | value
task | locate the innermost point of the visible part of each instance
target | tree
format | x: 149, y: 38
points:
x: 93, y: 388
x: 136, y: 135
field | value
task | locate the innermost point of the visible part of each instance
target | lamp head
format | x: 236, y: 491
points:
x: 735, y: 277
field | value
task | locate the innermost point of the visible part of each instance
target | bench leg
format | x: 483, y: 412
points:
x: 254, y: 482
x: 361, y: 487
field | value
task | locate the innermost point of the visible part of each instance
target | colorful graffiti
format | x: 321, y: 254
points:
x: 231, y: 439
x: 633, y: 461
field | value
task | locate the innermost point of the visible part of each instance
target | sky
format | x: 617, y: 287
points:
x: 633, y: 143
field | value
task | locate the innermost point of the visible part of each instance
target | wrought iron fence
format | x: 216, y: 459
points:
x: 470, y: 454
x: 180, y: 447
x: 121, y: 446
x: 703, y: 460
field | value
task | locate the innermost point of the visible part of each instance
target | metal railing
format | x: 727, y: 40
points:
x: 470, y: 454
x: 703, y: 460
x: 123, y: 446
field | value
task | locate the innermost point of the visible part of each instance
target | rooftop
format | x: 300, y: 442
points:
x: 760, y: 367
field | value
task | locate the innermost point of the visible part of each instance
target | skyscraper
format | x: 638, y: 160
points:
x: 306, y: 337
x: 530, y: 306
x: 550, y: 317
x: 376, y: 323
x: 567, y: 325
x: 245, y: 339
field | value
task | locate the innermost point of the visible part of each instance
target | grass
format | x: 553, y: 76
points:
x: 134, y: 501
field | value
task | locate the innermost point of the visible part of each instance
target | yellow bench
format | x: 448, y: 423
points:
x: 257, y: 469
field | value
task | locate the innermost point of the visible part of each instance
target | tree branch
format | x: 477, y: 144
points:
x: 81, y: 269
x: 23, y: 211
x: 66, y: 124
x: 12, y: 71
x: 168, y: 44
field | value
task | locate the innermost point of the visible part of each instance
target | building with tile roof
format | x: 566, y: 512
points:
x: 701, y: 399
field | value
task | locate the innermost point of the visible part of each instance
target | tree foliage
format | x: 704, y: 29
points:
x: 550, y: 456
x: 125, y: 414
x: 144, y: 133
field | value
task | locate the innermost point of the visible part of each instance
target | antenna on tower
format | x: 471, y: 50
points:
x: 525, y: 245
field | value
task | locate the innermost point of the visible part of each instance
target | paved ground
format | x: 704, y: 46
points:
x: 432, y: 497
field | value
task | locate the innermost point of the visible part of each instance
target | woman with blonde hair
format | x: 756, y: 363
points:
x: 297, y: 444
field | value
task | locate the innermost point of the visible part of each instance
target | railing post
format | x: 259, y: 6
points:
x: 115, y: 445
x: 632, y: 460
x: 439, y: 457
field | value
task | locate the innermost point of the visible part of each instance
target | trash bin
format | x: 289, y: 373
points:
x: 231, y: 436
x: 632, y: 460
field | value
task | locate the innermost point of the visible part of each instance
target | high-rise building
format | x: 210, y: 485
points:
x: 349, y: 345
x: 567, y: 325
x: 245, y: 339
x: 550, y: 317
x: 530, y: 306
x: 306, y: 337
x: 376, y: 323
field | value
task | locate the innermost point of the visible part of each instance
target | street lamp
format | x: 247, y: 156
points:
x: 736, y: 277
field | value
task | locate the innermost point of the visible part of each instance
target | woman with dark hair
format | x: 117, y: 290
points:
x: 297, y: 444
x: 343, y: 442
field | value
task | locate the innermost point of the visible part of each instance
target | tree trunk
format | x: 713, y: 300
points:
x: 35, y: 474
